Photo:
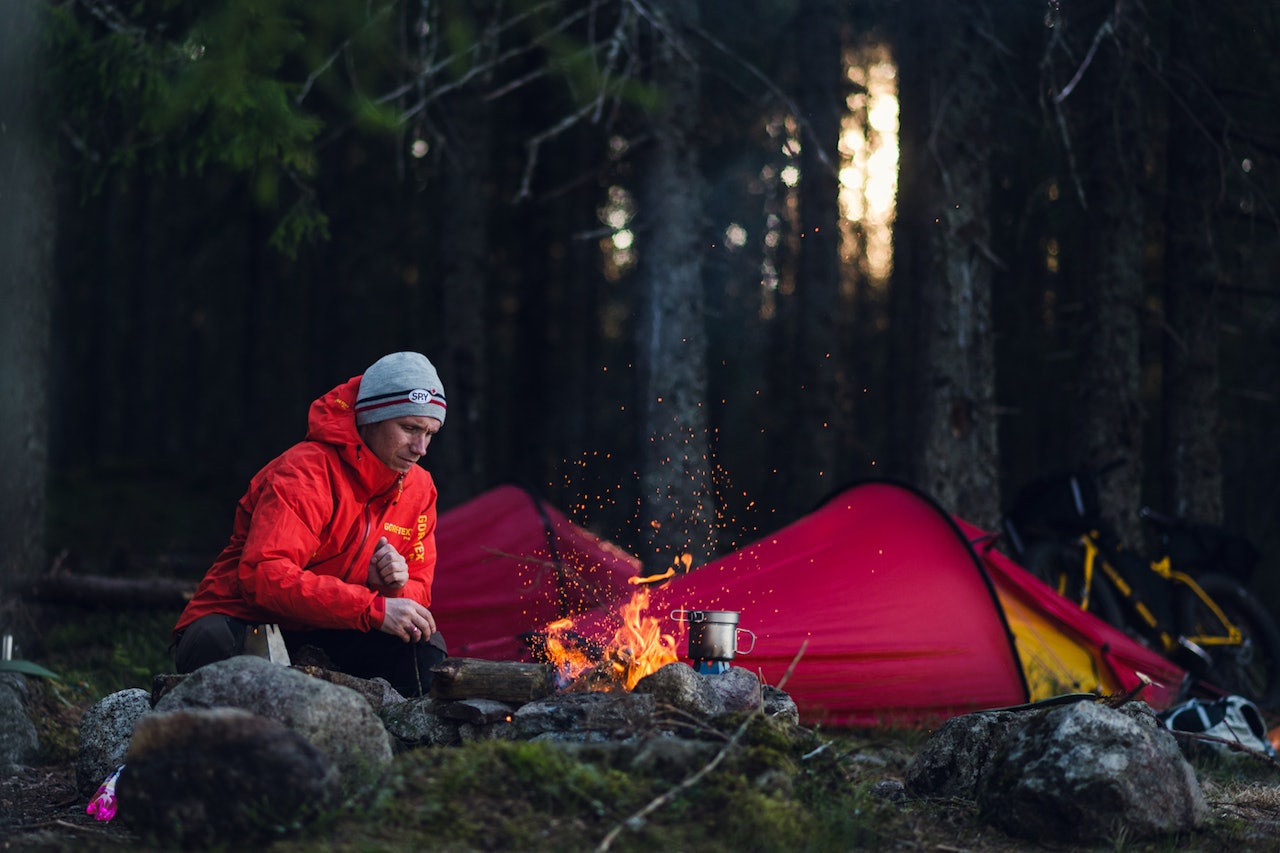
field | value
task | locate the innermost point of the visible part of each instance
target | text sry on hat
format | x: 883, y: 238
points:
x: 399, y: 384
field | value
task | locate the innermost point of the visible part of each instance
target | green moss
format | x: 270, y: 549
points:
x: 763, y: 795
x: 56, y: 710
x: 109, y: 650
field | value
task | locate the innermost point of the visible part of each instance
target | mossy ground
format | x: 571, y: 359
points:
x: 779, y: 788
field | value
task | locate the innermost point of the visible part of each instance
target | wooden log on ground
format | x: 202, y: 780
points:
x: 501, y: 681
x: 101, y: 591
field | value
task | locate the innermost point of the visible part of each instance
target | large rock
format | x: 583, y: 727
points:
x: 335, y: 719
x: 739, y: 689
x: 19, y: 740
x: 680, y: 685
x: 222, y: 776
x: 953, y: 761
x: 105, y: 732
x: 433, y: 722
x: 583, y: 716
x: 417, y: 723
x: 378, y: 692
x: 1078, y: 772
x: 1087, y: 772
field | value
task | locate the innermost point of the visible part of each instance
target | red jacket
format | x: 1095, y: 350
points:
x: 306, y: 528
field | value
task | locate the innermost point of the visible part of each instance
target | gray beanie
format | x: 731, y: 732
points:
x: 403, y: 383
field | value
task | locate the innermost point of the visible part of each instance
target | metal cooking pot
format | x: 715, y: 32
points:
x: 713, y: 634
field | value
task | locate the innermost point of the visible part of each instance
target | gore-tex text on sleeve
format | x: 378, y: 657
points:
x: 419, y: 551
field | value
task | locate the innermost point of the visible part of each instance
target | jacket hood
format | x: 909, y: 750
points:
x: 332, y: 420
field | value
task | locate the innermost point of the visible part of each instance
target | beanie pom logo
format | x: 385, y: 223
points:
x: 419, y: 396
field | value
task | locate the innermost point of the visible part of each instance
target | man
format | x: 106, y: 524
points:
x: 334, y: 541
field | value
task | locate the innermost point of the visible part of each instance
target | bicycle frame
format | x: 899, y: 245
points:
x: 1234, y: 637
x: 1093, y: 558
x: 1185, y: 599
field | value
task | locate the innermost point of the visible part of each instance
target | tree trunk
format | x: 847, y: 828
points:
x: 954, y: 388
x: 911, y: 235
x: 1191, y: 458
x: 1109, y: 129
x: 460, y: 332
x: 26, y: 263
x: 678, y: 504
x: 812, y: 458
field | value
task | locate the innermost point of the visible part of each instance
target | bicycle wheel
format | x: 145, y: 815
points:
x: 1252, y: 669
x: 1061, y: 566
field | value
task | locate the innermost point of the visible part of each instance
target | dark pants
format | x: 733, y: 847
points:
x: 365, y: 655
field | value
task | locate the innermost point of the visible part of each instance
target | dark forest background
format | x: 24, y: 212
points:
x: 217, y: 211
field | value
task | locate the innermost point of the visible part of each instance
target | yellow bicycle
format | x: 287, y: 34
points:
x: 1189, y: 602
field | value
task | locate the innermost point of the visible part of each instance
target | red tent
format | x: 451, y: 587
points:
x: 873, y: 603
x: 509, y: 563
x: 873, y: 608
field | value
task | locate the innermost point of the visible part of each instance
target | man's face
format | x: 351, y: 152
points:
x: 400, y: 442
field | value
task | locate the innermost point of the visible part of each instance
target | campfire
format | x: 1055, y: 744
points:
x: 604, y: 676
x: 594, y: 654
x: 638, y: 647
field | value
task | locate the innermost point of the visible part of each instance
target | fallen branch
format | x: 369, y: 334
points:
x: 102, y: 591
x: 1230, y: 744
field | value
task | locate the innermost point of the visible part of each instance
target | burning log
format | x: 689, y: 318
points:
x: 570, y: 662
x: 501, y: 681
x: 638, y: 648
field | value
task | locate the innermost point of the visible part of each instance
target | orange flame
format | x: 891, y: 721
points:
x: 636, y: 580
x: 570, y: 661
x: 638, y: 647
x: 684, y: 560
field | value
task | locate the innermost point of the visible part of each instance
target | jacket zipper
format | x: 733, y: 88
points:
x: 367, y: 512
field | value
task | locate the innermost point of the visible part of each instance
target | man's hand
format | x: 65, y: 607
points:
x: 408, y: 620
x: 387, y: 567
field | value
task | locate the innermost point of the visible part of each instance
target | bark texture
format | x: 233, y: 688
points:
x: 1106, y: 116
x: 814, y: 457
x: 1192, y: 456
x: 462, y: 339
x: 26, y: 259
x: 678, y: 503
x: 948, y: 133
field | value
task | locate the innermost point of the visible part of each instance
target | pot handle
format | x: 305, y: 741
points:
x: 688, y: 616
x: 749, y: 649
